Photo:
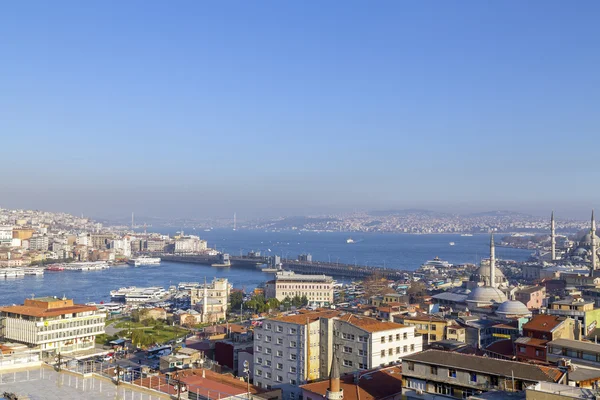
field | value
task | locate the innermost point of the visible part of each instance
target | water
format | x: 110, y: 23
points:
x: 392, y: 250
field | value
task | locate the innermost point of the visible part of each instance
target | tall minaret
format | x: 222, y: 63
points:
x: 552, y: 237
x: 593, y: 239
x: 492, y: 262
x: 205, y: 303
x: 335, y: 391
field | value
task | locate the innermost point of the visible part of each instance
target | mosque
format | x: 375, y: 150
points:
x: 584, y: 250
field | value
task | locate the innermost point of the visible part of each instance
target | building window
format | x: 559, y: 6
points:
x: 397, y: 336
x: 405, y: 348
x: 362, y: 352
x: 279, y: 366
x: 452, y: 373
x: 293, y: 357
x: 268, y: 326
x: 292, y: 344
x: 347, y: 363
x: 390, y: 352
x: 347, y: 349
x: 279, y: 328
x: 268, y: 375
x: 405, y: 336
x: 473, y: 377
x: 494, y: 380
x: 382, y: 353
x: 267, y: 338
x: 292, y: 331
x: 258, y: 372
x: 259, y: 360
x: 258, y: 336
x: 398, y: 350
x: 279, y: 340
x: 362, y: 366
x: 411, y: 366
x: 279, y: 353
x: 347, y: 336
x: 293, y: 370
x: 383, y: 339
x: 258, y: 348
x: 268, y: 363
x: 363, y: 339
x: 412, y: 347
x: 293, y: 382
x: 279, y: 378
x: 521, y: 349
x: 390, y: 338
x: 433, y: 370
x: 267, y: 350
x: 538, y: 353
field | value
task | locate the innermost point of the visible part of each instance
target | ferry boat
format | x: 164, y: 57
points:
x: 467, y: 234
x: 137, y: 295
x: 11, y: 272
x: 55, y: 268
x: 349, y: 240
x: 87, y: 266
x: 435, y: 263
x: 34, y: 271
x: 143, y: 260
x: 451, y: 243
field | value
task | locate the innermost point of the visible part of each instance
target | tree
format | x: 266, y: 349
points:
x: 273, y: 304
x: 376, y: 285
x: 235, y: 300
x: 286, y: 303
x: 139, y: 315
x: 140, y: 339
x: 304, y: 301
x: 189, y: 321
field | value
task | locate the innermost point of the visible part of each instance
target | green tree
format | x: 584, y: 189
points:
x: 235, y: 300
x: 273, y: 304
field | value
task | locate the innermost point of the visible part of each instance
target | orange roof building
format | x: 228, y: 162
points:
x: 52, y: 325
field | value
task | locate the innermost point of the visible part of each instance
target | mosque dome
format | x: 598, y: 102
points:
x: 486, y: 294
x: 587, y: 239
x: 512, y: 307
x: 580, y: 252
x: 484, y: 272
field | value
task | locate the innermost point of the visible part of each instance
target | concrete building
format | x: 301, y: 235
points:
x: 22, y: 233
x: 581, y: 310
x: 38, y: 242
x: 533, y: 296
x: 190, y: 244
x: 52, y: 325
x: 121, y: 247
x: 365, y: 343
x: 435, y: 374
x: 101, y: 241
x: 6, y: 235
x: 538, y: 332
x: 155, y: 245
x: 211, y: 300
x: 318, y: 289
x: 292, y: 350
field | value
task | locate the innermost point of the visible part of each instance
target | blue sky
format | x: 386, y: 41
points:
x: 202, y: 108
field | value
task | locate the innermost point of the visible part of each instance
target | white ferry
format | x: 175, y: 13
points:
x: 349, y: 240
x: 435, y: 263
x: 143, y: 260
x: 34, y: 271
x: 137, y: 295
x: 467, y: 234
x: 87, y: 266
x: 11, y: 272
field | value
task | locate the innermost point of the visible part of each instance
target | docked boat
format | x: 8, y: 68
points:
x: 435, y: 263
x: 87, y: 266
x: 137, y: 295
x: 467, y: 234
x: 34, y: 271
x: 143, y: 260
x: 11, y: 272
x: 55, y: 268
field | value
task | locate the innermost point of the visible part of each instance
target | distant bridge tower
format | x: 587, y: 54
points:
x: 552, y: 237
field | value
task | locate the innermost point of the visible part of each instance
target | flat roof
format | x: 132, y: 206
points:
x: 42, y: 312
x: 576, y: 344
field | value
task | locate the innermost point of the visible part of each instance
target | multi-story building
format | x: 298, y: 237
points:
x: 211, y: 300
x: 190, y: 244
x: 22, y: 233
x: 533, y: 296
x: 101, y: 241
x: 318, y: 289
x: 365, y: 343
x: 292, y: 350
x: 52, y: 325
x: 581, y: 310
x: 6, y: 235
x: 429, y: 327
x: 121, y: 246
x: 435, y: 374
x: 286, y: 352
x: 38, y: 242
x: 155, y: 245
x: 581, y: 358
x: 538, y: 332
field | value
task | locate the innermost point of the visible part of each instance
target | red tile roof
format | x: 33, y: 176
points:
x: 544, y: 323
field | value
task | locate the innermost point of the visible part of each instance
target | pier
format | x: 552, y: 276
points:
x: 304, y: 267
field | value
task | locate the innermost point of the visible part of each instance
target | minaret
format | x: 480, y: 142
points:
x: 593, y: 239
x: 334, y: 392
x: 492, y: 262
x: 205, y: 303
x: 552, y: 237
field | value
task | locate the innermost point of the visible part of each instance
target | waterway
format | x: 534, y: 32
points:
x: 400, y: 251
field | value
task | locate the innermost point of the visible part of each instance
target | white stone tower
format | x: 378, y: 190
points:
x: 593, y: 242
x: 492, y: 262
x: 552, y: 237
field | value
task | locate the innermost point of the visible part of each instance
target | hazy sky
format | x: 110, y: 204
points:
x: 289, y: 107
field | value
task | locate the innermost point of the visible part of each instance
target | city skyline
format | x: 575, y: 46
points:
x: 299, y: 109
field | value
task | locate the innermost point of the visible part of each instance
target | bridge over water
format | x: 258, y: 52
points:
x: 305, y: 267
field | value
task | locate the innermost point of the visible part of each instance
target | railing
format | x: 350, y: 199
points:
x: 158, y: 383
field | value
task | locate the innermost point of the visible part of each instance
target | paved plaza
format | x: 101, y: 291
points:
x: 46, y: 384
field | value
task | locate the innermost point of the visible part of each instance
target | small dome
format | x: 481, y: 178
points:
x: 486, y: 294
x: 580, y: 252
x: 512, y: 307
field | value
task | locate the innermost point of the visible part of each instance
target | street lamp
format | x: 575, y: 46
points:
x: 247, y: 372
x: 58, y: 360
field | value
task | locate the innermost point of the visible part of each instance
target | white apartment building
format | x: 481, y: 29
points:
x: 286, y: 352
x: 190, y: 244
x: 285, y: 356
x: 365, y: 343
x: 6, y: 235
x: 38, y: 242
x: 318, y: 289
x: 52, y: 325
x: 121, y: 246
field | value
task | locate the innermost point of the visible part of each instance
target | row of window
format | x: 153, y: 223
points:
x: 297, y: 286
x: 71, y: 324
x: 278, y: 328
x: 404, y: 349
x: 350, y: 350
x: 279, y: 366
x: 391, y: 337
x: 269, y: 375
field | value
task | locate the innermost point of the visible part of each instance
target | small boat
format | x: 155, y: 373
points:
x: 452, y: 243
x: 349, y: 240
x: 467, y: 234
x: 55, y: 268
